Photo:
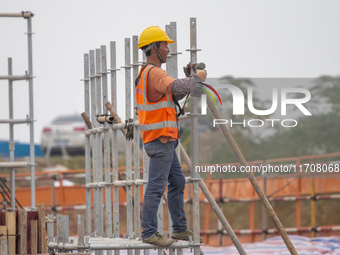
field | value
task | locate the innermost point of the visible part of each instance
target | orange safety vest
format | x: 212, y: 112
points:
x: 155, y: 118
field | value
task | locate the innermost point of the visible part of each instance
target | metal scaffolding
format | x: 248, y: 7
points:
x: 29, y: 120
x: 105, y: 178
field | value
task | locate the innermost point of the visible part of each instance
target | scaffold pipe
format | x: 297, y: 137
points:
x: 14, y: 77
x: 215, y: 206
x: 17, y: 15
x: 252, y: 178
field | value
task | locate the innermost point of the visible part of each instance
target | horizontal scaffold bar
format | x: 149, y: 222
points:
x: 137, y: 182
x: 96, y: 243
x: 117, y: 126
x: 13, y: 121
x: 272, y: 230
x: 17, y: 15
x: 14, y: 77
x: 14, y: 164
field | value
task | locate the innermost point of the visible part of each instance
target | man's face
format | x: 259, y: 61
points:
x: 164, y: 50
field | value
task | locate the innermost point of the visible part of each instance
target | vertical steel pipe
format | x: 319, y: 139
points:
x: 128, y: 143
x: 11, y: 134
x: 114, y: 98
x: 31, y: 110
x: 194, y: 142
x: 106, y: 138
x: 136, y: 150
x: 146, y: 161
x: 99, y: 144
x: 67, y: 228
x: 81, y: 233
x: 87, y: 145
x: 171, y: 63
x: 94, y: 138
x: 60, y: 230
x: 136, y: 139
x: 50, y: 228
x: 160, y: 222
x: 172, y: 70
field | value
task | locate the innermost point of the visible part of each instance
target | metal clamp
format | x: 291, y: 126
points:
x: 129, y: 129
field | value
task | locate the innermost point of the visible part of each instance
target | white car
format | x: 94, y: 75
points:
x: 64, y: 134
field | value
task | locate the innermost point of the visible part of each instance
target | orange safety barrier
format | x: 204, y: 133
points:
x: 230, y: 188
x: 279, y: 188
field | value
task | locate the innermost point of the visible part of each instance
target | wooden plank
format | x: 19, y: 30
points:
x: 3, y: 247
x: 3, y: 232
x: 22, y: 228
x: 2, y: 218
x: 11, y: 228
x: 30, y: 216
x: 34, y: 237
x: 42, y: 248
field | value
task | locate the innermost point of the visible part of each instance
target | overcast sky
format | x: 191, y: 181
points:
x: 240, y: 38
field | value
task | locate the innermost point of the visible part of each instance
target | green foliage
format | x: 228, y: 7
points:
x: 316, y: 134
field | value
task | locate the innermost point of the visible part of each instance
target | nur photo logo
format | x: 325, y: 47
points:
x: 281, y: 100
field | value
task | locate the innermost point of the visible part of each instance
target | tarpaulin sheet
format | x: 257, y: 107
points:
x: 276, y: 246
x: 273, y: 246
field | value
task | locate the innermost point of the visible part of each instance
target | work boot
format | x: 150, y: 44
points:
x: 184, y: 235
x: 159, y: 240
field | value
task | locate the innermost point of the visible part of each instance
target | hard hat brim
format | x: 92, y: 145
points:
x: 141, y: 45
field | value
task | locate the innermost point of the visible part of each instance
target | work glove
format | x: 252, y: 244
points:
x: 196, y: 87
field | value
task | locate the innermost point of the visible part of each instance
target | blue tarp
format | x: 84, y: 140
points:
x: 21, y: 149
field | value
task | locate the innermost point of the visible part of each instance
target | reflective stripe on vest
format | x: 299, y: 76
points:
x: 152, y: 107
x: 163, y: 124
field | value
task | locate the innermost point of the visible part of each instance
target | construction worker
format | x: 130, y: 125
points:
x: 157, y: 94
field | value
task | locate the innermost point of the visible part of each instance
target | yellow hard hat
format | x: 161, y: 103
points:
x: 151, y: 35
